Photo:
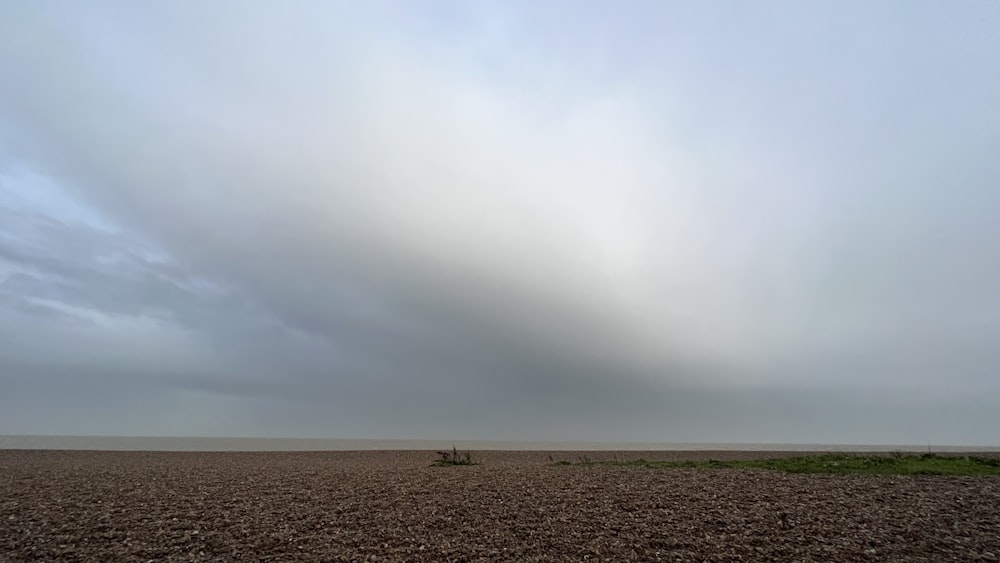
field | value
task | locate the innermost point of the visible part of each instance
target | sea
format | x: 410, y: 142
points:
x: 220, y: 444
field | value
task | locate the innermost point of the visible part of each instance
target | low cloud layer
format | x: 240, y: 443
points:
x: 573, y: 222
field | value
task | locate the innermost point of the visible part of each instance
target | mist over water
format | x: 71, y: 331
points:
x: 200, y: 444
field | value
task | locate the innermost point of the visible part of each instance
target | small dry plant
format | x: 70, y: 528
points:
x: 454, y: 457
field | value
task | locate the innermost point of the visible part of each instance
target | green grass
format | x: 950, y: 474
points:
x: 894, y: 464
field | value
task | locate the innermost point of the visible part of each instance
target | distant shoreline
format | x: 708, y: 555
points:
x: 222, y: 444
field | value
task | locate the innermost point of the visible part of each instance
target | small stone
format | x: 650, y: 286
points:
x: 989, y: 556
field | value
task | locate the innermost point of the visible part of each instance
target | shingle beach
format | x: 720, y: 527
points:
x: 514, y: 506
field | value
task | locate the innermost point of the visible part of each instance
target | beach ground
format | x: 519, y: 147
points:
x: 513, y: 506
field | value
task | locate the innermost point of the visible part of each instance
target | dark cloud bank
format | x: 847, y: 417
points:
x: 280, y: 226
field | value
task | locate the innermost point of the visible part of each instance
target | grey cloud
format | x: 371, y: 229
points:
x: 82, y: 266
x: 381, y: 236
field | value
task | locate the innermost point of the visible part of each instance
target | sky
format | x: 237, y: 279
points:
x: 639, y: 221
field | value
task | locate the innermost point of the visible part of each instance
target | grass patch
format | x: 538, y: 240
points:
x: 454, y: 457
x: 894, y: 464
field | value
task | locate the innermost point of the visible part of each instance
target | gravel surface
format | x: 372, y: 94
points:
x: 515, y: 506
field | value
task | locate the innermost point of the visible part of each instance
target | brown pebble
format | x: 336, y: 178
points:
x: 517, y: 506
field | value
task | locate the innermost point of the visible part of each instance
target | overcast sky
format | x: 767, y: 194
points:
x: 663, y: 221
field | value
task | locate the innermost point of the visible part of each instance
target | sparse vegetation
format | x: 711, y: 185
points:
x: 894, y: 464
x: 454, y: 457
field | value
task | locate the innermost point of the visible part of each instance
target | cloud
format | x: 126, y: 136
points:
x: 383, y: 233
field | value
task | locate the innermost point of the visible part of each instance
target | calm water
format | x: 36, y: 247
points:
x: 139, y: 443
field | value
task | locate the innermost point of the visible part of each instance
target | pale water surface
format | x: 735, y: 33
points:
x: 146, y: 443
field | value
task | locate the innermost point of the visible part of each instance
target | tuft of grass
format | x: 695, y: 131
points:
x: 894, y: 464
x: 454, y: 457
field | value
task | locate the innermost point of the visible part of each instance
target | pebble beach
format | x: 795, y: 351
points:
x: 512, y: 506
